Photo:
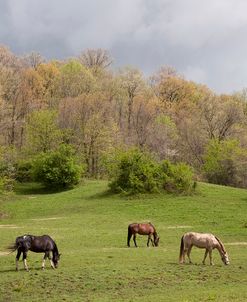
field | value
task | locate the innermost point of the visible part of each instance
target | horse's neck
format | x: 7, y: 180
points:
x: 220, y: 248
x: 55, y: 250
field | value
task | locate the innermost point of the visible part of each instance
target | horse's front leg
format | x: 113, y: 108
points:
x: 205, y: 256
x: 17, y: 259
x: 25, y: 261
x: 134, y: 239
x: 44, y: 259
x: 51, y: 262
x: 210, y: 257
x: 149, y: 238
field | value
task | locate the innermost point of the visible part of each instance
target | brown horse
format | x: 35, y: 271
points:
x: 143, y: 229
x: 201, y: 240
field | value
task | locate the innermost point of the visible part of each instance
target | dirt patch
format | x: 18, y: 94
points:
x: 9, y: 226
x: 3, y: 215
x: 4, y: 253
x: 236, y: 243
x: 180, y: 227
x: 49, y: 218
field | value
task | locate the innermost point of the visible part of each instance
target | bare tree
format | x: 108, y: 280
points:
x: 96, y: 58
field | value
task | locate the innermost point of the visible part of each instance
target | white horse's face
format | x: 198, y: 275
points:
x: 225, y: 258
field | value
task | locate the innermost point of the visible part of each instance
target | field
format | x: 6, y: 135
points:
x: 90, y: 228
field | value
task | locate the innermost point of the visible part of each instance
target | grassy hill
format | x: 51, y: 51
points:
x: 90, y: 228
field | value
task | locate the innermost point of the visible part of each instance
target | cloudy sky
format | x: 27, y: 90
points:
x: 206, y: 40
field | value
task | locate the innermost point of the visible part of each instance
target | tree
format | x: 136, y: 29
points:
x: 96, y: 59
x: 43, y: 133
x: 74, y: 80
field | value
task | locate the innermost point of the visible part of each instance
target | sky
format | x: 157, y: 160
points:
x: 205, y: 40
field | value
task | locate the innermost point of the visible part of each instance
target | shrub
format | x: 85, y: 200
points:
x: 24, y: 171
x: 225, y: 163
x: 177, y: 178
x: 134, y: 172
x: 7, y: 169
x: 57, y: 168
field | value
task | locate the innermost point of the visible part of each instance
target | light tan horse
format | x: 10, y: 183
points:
x: 201, y: 240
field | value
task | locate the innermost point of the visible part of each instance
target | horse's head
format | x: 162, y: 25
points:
x: 156, y: 241
x: 56, y: 259
x: 225, y: 258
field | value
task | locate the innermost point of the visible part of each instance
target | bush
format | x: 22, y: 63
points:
x: 7, y: 169
x: 137, y: 172
x: 225, y: 163
x: 178, y: 178
x: 24, y: 171
x: 134, y: 172
x: 57, y: 168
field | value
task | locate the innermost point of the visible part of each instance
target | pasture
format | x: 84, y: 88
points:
x: 90, y: 229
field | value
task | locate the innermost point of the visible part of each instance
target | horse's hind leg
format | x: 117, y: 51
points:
x: 17, y: 259
x: 205, y: 256
x: 134, y: 239
x: 188, y: 253
x: 128, y: 239
x: 25, y: 261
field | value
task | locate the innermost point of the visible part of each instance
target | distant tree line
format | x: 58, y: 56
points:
x: 94, y: 111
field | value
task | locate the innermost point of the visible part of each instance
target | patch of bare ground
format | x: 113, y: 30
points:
x: 179, y: 227
x: 3, y: 215
x: 9, y: 226
x: 237, y: 243
x: 48, y: 218
x: 4, y: 253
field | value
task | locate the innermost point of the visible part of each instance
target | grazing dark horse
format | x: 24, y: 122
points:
x: 38, y: 244
x: 143, y: 229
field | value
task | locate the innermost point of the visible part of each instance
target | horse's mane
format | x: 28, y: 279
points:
x: 153, y: 227
x: 221, y: 244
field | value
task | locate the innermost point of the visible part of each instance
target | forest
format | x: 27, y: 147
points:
x: 98, y: 110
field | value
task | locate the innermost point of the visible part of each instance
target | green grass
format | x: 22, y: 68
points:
x: 91, y: 230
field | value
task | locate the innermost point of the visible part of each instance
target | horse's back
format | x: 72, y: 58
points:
x: 142, y: 228
x: 199, y: 239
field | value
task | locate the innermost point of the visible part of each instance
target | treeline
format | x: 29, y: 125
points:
x: 84, y: 103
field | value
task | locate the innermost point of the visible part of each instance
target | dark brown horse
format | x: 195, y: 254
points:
x: 143, y: 229
x: 38, y: 244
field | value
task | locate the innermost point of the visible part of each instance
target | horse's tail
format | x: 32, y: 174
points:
x: 221, y: 244
x: 129, y: 235
x: 13, y: 247
x: 181, y: 249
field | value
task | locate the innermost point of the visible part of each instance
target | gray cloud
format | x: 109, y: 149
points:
x: 205, y: 40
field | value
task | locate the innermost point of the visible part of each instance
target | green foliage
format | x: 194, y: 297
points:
x: 225, y: 163
x: 75, y: 79
x: 24, y: 171
x: 43, y: 133
x: 7, y: 169
x: 135, y: 171
x: 57, y: 168
x: 178, y: 178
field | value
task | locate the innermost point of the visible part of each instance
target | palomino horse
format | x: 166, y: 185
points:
x: 143, y: 229
x: 38, y: 244
x: 206, y: 241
